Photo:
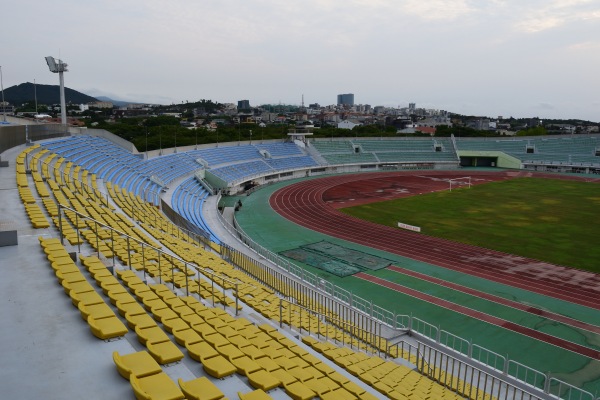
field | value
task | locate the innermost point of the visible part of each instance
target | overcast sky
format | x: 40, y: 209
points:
x: 520, y: 58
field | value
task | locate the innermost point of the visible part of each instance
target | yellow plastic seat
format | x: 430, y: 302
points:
x: 339, y: 394
x: 164, y: 352
x: 200, y: 350
x: 162, y: 313
x: 98, y: 311
x: 264, y: 380
x: 87, y: 298
x: 174, y: 323
x: 354, y: 388
x: 154, y: 387
x: 218, y: 366
x: 283, y: 376
x: 130, y: 308
x: 186, y: 335
x: 138, y: 364
x: 200, y: 389
x: 245, y: 365
x: 76, y: 287
x: 258, y: 394
x: 267, y: 364
x: 299, y: 391
x: 142, y: 321
x: 317, y: 386
x: 152, y: 334
x: 107, y: 328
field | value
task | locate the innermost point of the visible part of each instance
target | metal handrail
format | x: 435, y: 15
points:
x: 207, y: 274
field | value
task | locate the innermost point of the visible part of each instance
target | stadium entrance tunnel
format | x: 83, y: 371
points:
x: 479, y: 161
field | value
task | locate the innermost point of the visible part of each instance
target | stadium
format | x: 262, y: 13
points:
x: 237, y: 270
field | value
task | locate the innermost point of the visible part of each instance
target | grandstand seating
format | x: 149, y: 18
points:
x: 566, y: 150
x: 112, y: 163
x: 188, y: 199
x: 145, y: 298
x: 373, y: 151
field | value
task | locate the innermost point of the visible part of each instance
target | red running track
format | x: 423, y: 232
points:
x: 500, y: 300
x: 305, y: 204
x: 586, y: 351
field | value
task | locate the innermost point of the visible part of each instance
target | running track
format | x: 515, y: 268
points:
x: 496, y: 299
x: 586, y: 351
x: 305, y: 204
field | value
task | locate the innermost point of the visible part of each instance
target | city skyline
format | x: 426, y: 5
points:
x: 485, y: 58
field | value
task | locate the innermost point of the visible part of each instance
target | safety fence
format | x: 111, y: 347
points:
x: 314, y: 282
x: 463, y: 377
x: 356, y: 323
x: 142, y: 255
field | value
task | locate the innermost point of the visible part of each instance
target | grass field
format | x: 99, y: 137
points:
x: 546, y: 219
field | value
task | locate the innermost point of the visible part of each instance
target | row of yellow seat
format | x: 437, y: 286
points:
x: 103, y: 322
x: 391, y: 379
x: 34, y: 212
x: 225, y: 345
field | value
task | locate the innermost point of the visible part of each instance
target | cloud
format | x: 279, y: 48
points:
x: 549, y: 15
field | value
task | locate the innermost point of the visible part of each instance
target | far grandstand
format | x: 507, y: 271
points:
x: 161, y: 226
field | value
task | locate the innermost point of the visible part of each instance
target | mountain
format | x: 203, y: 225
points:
x: 118, y: 103
x: 46, y: 94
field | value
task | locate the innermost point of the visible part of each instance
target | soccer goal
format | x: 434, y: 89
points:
x: 465, y: 181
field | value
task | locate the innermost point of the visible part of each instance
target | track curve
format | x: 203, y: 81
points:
x: 312, y: 204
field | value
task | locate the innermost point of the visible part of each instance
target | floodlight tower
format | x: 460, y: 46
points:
x: 3, y: 105
x: 60, y: 67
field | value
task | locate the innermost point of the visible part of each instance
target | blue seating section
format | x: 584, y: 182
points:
x: 188, y: 199
x: 226, y: 154
x: 280, y: 149
x: 231, y: 173
x: 131, y: 172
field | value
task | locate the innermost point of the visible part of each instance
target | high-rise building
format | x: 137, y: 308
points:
x: 346, y: 99
x: 243, y: 105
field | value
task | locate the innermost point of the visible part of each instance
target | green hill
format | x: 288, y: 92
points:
x: 46, y: 94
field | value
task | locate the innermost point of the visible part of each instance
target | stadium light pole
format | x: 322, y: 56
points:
x: 59, y: 67
x: 35, y: 96
x: 3, y: 105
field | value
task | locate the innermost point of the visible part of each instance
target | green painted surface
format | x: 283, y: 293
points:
x: 276, y: 233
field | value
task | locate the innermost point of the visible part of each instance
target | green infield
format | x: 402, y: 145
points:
x: 546, y: 219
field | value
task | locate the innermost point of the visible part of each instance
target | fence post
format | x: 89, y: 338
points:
x: 97, y: 238
x: 237, y: 298
x: 77, y: 228
x: 187, y: 287
x: 128, y: 253
x: 281, y: 313
x: 62, y: 242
